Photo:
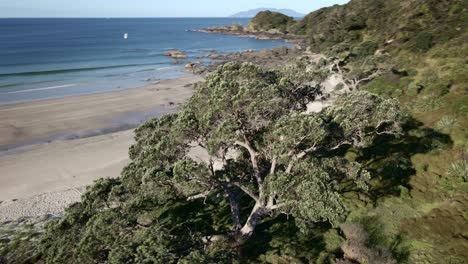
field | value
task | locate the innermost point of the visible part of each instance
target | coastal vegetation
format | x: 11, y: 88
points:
x: 378, y: 176
x: 275, y: 160
x: 270, y: 21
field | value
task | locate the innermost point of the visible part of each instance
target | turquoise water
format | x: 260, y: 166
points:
x: 45, y: 58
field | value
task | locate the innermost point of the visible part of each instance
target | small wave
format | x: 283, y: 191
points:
x: 147, y: 70
x: 9, y: 85
x: 41, y: 89
x: 166, y: 68
x: 71, y: 70
x: 136, y: 51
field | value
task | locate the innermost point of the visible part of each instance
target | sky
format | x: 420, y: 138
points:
x: 149, y: 8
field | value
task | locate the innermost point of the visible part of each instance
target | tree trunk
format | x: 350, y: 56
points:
x: 235, y: 212
x: 255, y: 216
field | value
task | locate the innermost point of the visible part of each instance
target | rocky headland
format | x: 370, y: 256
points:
x: 265, y: 25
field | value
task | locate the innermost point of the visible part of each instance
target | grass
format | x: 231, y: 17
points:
x: 430, y: 212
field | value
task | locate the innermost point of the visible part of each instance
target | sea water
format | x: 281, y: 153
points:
x: 48, y: 58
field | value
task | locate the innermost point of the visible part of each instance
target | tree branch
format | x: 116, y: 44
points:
x: 273, y: 166
x: 300, y: 156
x: 253, y: 159
x: 271, y: 199
x: 247, y: 191
x: 199, y: 196
x: 235, y: 210
x: 356, y: 82
x: 252, y: 152
x: 276, y: 206
x: 340, y: 145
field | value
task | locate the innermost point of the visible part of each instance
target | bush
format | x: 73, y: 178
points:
x: 267, y: 20
x: 366, y: 48
x: 459, y: 168
x: 358, y: 247
x: 422, y: 42
x: 446, y: 123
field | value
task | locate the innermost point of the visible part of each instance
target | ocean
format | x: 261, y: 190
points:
x: 49, y: 58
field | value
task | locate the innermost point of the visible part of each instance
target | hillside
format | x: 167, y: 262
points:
x: 414, y: 51
x: 379, y: 175
x: 252, y: 12
x: 270, y: 21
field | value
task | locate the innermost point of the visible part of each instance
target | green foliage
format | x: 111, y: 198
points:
x: 293, y: 176
x: 286, y: 162
x: 267, y: 20
x: 19, y: 240
x: 360, y: 113
x: 361, y: 246
x: 422, y: 42
x: 310, y: 195
x: 459, y: 168
x: 333, y: 241
x: 418, y: 25
x: 364, y: 49
x: 446, y: 123
x: 293, y: 131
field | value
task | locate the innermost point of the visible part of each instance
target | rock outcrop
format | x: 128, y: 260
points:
x: 176, y: 54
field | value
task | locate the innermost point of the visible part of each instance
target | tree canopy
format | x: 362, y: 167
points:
x: 275, y: 159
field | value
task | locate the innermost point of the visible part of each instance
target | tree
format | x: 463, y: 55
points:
x: 252, y: 120
x: 289, y: 160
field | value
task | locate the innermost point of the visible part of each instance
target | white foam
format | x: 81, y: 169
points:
x: 41, y: 89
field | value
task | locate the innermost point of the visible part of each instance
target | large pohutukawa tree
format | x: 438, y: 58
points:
x: 283, y: 160
x: 286, y: 161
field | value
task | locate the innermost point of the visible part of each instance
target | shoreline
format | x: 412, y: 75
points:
x: 42, y: 178
x: 259, y: 35
x: 80, y: 116
x: 83, y: 155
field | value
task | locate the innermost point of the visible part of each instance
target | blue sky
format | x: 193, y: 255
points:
x: 149, y: 8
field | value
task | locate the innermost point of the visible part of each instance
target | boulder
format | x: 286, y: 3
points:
x: 176, y: 54
x: 192, y: 65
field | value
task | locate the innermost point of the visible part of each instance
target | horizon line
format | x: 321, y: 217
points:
x: 121, y: 17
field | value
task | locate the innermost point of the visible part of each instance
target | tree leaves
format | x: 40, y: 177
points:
x: 295, y: 133
x: 285, y: 161
x: 361, y: 116
x: 308, y: 193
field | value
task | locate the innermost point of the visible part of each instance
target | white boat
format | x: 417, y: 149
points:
x: 126, y: 36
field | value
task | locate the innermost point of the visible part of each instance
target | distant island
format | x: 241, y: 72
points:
x: 253, y: 12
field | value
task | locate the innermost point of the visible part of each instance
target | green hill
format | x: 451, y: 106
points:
x: 270, y: 21
x: 419, y: 48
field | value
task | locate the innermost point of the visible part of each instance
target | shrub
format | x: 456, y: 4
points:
x: 422, y: 42
x: 446, y: 123
x: 459, y: 168
x: 365, y: 49
x: 357, y: 248
x: 267, y: 20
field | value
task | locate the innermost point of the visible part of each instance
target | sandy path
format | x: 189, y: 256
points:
x: 43, y: 178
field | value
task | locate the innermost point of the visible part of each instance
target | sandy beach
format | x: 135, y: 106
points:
x: 52, y: 149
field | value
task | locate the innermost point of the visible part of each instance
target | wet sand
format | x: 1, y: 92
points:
x: 66, y: 144
x: 88, y: 115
